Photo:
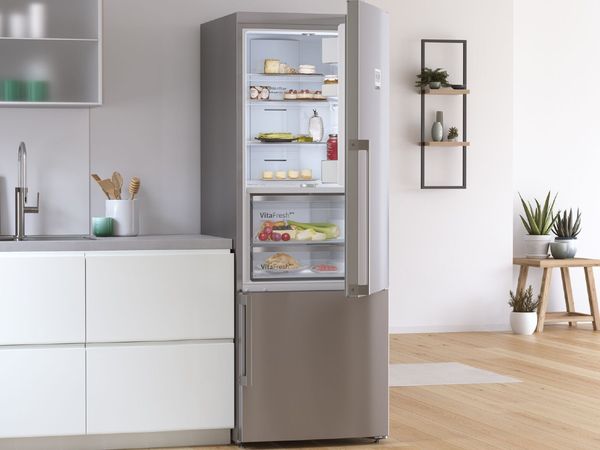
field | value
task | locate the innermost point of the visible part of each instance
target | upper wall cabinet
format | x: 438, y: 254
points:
x: 50, y: 53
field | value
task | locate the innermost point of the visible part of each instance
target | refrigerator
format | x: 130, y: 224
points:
x: 310, y: 230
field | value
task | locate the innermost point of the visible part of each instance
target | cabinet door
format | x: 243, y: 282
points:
x: 159, y: 295
x: 42, y: 298
x: 42, y: 391
x: 134, y: 388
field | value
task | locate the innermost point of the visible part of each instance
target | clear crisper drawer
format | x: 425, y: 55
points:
x: 297, y: 237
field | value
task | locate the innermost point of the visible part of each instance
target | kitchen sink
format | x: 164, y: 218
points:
x: 68, y: 237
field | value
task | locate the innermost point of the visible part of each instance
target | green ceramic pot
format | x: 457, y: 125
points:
x: 13, y: 91
x: 102, y: 226
x: 36, y: 91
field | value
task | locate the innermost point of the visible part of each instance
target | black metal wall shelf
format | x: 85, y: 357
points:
x: 464, y: 143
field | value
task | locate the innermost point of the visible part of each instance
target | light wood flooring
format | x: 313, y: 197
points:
x: 557, y: 406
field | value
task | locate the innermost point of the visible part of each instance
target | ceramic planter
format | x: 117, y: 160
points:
x: 437, y: 132
x: 523, y: 322
x: 563, y: 248
x: 536, y: 246
x: 435, y: 85
x: 125, y: 217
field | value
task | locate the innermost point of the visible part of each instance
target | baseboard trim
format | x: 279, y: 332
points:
x: 450, y: 329
x: 120, y: 441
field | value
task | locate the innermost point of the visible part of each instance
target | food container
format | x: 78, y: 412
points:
x: 276, y: 93
x: 329, y: 171
x: 332, y: 147
x: 271, y: 66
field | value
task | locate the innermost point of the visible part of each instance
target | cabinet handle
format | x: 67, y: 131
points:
x: 246, y: 347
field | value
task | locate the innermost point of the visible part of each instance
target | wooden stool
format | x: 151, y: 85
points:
x: 564, y: 264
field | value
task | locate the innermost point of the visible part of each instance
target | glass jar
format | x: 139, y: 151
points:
x: 332, y: 147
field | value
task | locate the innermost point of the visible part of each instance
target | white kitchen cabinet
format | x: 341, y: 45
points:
x: 42, y: 298
x: 42, y: 391
x: 133, y: 388
x: 159, y: 295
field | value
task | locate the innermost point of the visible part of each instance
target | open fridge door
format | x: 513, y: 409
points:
x: 367, y: 149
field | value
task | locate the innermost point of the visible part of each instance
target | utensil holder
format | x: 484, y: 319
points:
x: 125, y: 216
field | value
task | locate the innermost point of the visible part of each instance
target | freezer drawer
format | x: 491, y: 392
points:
x: 312, y: 365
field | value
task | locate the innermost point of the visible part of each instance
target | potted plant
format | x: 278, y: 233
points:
x: 434, y: 78
x: 452, y: 134
x: 523, y: 318
x: 566, y: 231
x: 538, y: 223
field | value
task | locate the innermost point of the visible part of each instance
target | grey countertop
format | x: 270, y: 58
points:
x: 91, y: 244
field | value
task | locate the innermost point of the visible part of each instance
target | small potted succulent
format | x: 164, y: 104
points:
x: 452, y: 134
x: 538, y: 222
x: 566, y: 231
x: 435, y: 79
x: 523, y: 318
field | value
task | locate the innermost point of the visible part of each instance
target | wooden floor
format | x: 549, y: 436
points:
x: 557, y: 406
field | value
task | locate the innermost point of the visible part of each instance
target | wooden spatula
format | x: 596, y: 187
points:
x: 107, y: 186
x: 117, y: 180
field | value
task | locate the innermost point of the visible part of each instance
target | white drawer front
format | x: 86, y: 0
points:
x: 42, y: 391
x: 156, y: 296
x: 160, y: 387
x: 42, y: 298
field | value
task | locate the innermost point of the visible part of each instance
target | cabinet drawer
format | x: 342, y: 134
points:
x: 134, y: 388
x: 42, y: 391
x: 42, y: 299
x: 159, y: 296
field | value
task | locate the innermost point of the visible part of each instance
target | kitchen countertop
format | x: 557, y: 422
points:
x: 150, y: 242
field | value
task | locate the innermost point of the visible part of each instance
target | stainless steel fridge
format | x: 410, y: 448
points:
x: 310, y: 227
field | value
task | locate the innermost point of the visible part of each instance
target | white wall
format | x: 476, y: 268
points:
x: 556, y: 114
x: 451, y: 249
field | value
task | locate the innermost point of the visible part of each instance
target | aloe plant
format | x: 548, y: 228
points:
x: 538, y: 221
x: 564, y: 227
x: 452, y: 133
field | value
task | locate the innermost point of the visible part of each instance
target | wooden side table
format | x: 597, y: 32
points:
x: 564, y: 265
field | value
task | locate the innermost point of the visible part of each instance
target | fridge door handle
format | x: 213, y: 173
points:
x: 246, y: 359
x: 357, y: 220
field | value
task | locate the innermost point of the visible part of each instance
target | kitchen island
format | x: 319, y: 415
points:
x: 116, y: 342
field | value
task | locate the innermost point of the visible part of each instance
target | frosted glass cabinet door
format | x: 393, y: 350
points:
x: 42, y: 391
x: 136, y: 388
x: 42, y: 298
x: 159, y: 295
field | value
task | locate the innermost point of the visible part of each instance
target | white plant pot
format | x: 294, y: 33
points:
x: 523, y: 322
x: 125, y: 216
x: 536, y: 246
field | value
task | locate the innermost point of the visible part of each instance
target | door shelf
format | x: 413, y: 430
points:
x: 445, y: 144
x: 293, y: 144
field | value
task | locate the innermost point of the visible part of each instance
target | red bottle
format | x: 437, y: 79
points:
x: 332, y: 147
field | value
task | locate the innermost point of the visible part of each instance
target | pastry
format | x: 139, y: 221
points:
x: 264, y: 93
x: 267, y: 175
x: 290, y: 95
x: 280, y: 175
x: 330, y: 79
x: 271, y: 66
x: 306, y: 69
x: 293, y: 174
x: 319, y: 96
x: 253, y: 92
x: 281, y: 261
x: 306, y: 174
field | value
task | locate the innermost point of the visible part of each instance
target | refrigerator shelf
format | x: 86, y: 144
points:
x: 260, y: 187
x: 285, y: 245
x: 282, y: 78
x: 293, y: 144
x: 305, y: 274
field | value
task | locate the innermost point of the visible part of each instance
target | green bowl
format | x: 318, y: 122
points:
x: 102, y: 226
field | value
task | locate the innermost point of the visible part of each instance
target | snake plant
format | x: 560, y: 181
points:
x: 538, y: 221
x: 564, y: 227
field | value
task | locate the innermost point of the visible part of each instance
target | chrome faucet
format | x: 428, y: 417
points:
x: 21, y: 207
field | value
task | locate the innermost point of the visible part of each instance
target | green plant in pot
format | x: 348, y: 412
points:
x: 566, y: 229
x: 452, y: 133
x: 538, y: 222
x: 523, y: 318
x: 434, y: 78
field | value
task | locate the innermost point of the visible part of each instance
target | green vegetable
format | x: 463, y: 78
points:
x: 330, y: 230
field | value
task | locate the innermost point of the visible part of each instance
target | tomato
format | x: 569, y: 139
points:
x: 276, y: 236
x: 267, y: 230
x: 263, y: 236
x: 285, y: 237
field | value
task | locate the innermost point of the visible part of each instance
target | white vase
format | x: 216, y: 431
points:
x: 37, y: 20
x: 125, y: 216
x: 523, y: 322
x: 536, y: 246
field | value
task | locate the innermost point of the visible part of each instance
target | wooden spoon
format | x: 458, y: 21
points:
x: 98, y: 180
x: 134, y: 187
x: 117, y: 180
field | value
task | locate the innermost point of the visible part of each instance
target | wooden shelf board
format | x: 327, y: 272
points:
x: 445, y: 144
x: 445, y: 91
x: 551, y: 262
x: 568, y: 317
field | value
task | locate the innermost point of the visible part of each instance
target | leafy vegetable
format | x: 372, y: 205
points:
x: 330, y: 230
